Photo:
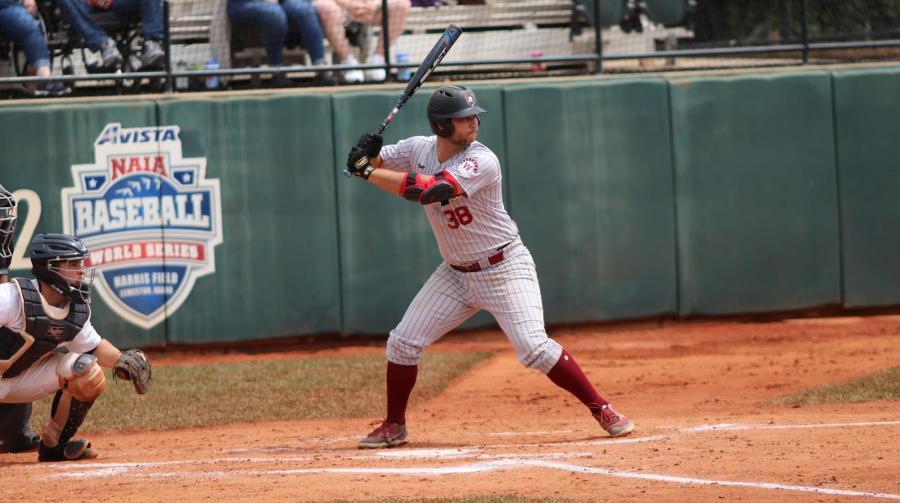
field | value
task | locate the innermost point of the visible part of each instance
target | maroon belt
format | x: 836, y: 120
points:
x: 493, y: 259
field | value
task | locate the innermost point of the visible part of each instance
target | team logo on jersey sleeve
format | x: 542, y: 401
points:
x: 469, y: 166
x: 150, y: 218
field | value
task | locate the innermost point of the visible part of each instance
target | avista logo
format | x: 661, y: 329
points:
x: 150, y: 218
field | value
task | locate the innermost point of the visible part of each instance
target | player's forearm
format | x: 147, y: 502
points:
x: 106, y: 354
x: 387, y: 180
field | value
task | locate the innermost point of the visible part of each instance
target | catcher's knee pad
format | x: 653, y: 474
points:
x: 543, y: 356
x: 83, y: 376
x: 402, y: 351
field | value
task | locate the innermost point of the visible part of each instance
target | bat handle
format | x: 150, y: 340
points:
x: 347, y: 173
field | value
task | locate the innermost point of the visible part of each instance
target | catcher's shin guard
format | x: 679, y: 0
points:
x: 67, y: 414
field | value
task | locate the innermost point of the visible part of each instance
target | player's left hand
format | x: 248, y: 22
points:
x: 134, y: 366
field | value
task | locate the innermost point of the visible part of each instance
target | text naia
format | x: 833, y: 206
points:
x: 102, y: 215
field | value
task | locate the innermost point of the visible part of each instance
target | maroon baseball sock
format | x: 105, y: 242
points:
x: 400, y: 382
x: 568, y: 375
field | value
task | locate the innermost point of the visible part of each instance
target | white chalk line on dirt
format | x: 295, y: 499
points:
x: 494, y: 462
x: 519, y: 463
x: 89, y: 470
x: 514, y: 463
x: 703, y: 428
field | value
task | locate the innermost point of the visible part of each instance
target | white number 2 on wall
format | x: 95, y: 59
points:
x: 26, y: 229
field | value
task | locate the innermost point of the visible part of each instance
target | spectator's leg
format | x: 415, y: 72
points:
x: 398, y: 11
x: 302, y: 15
x: 18, y: 25
x: 152, y: 54
x: 271, y: 20
x: 331, y: 16
x: 151, y: 16
x: 78, y: 13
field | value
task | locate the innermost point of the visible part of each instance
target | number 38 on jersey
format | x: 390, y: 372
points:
x: 458, y: 216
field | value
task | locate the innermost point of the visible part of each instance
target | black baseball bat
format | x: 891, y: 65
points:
x: 434, y: 58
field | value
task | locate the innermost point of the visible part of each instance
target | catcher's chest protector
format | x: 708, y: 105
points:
x: 47, y: 332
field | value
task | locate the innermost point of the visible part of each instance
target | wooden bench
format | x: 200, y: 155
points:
x: 495, y: 30
x: 498, y: 29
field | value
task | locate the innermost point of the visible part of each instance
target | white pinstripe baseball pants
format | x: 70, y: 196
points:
x: 508, y: 290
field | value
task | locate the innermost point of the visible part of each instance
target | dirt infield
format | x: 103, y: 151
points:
x: 695, y: 390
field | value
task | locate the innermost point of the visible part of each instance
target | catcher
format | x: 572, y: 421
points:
x: 15, y: 430
x: 48, y: 345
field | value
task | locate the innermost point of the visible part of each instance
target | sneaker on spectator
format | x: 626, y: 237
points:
x: 376, y: 74
x: 153, y: 55
x: 110, y: 54
x: 352, y: 76
x: 279, y: 79
x: 52, y: 90
x: 323, y: 78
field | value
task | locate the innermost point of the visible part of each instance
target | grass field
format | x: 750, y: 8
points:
x: 187, y: 396
x: 882, y: 385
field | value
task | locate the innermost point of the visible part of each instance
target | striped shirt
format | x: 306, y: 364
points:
x: 468, y: 228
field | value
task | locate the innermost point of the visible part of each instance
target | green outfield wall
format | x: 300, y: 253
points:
x: 867, y: 108
x: 755, y: 178
x: 225, y: 218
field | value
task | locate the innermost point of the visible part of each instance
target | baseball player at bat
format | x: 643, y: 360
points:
x: 457, y: 181
x: 15, y: 430
x: 48, y: 345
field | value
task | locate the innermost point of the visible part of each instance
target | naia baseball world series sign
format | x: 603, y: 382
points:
x: 150, y: 218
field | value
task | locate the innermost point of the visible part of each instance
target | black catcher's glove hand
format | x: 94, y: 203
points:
x: 134, y: 365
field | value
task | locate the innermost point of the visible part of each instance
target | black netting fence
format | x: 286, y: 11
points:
x: 235, y: 44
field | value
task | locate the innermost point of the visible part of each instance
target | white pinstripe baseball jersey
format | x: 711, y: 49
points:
x: 468, y: 228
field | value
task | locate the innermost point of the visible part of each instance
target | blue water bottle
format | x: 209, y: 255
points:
x: 403, y: 74
x: 212, y: 81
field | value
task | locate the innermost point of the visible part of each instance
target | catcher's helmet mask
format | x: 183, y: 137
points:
x: 451, y: 102
x: 59, y: 260
x: 7, y: 228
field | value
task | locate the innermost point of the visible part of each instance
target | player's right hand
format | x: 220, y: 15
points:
x: 353, y: 158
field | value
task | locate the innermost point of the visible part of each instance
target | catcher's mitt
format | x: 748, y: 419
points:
x: 134, y: 365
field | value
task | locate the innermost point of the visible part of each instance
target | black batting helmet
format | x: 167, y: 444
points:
x: 48, y: 251
x: 7, y: 228
x: 451, y: 102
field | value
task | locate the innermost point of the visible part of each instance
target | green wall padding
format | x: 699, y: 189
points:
x: 867, y: 108
x: 41, y: 144
x: 277, y: 269
x: 638, y: 197
x: 756, y: 193
x: 591, y: 183
x: 387, y: 247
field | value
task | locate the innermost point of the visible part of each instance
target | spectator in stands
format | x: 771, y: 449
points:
x: 18, y: 23
x: 334, y: 13
x: 273, y: 18
x: 78, y: 13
